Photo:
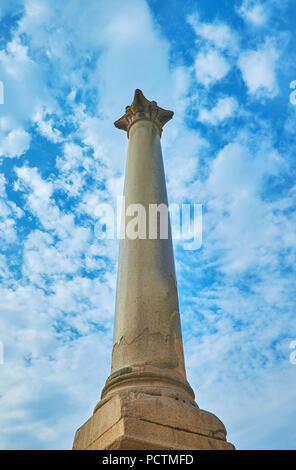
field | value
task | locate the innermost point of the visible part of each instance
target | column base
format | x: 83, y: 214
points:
x: 135, y: 420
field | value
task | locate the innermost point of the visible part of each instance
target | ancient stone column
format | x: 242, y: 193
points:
x: 147, y: 402
x: 147, y: 331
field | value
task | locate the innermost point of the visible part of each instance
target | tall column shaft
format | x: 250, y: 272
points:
x: 147, y: 349
x: 147, y: 332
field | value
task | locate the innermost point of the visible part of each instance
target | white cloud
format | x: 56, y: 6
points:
x: 210, y: 66
x: 217, y: 34
x: 258, y: 68
x: 2, y: 185
x: 4, y: 271
x: 8, y: 212
x: 46, y: 127
x: 30, y: 178
x: 254, y: 12
x: 224, y: 109
x: 216, y: 43
x: 25, y: 91
x: 15, y: 143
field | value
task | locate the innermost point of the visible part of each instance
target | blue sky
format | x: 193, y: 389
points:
x: 69, y: 69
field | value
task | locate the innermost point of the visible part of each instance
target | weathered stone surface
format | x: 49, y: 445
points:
x: 147, y: 329
x: 135, y: 420
x: 147, y: 402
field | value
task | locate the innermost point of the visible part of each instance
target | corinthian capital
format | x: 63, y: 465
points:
x: 140, y: 109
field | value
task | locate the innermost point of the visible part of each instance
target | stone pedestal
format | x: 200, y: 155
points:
x: 147, y: 402
x: 133, y: 419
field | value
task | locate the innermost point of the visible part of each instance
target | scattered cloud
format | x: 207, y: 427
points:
x: 15, y: 143
x: 224, y: 109
x: 210, y: 66
x: 255, y: 13
x: 217, y: 34
x: 258, y: 68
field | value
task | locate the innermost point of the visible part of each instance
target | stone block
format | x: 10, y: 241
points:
x: 131, y: 420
